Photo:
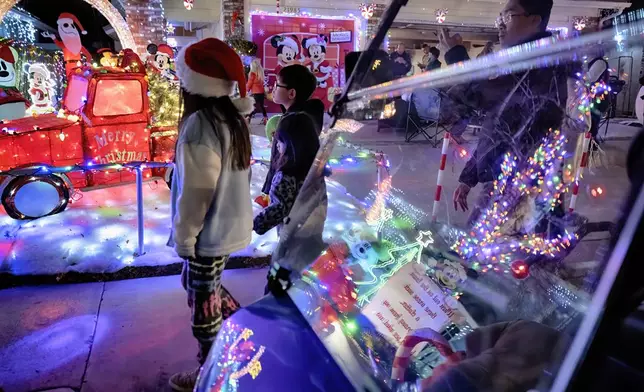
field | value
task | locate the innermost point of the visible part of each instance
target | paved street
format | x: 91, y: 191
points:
x: 121, y: 336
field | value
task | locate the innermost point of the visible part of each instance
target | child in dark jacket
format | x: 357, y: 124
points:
x: 295, y: 144
x: 294, y: 86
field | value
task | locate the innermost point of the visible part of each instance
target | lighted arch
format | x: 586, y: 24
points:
x: 105, y: 8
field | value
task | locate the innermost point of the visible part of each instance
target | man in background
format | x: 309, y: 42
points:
x: 401, y: 62
x: 430, y: 58
x: 519, y: 108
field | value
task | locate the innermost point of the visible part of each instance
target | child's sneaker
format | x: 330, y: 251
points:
x: 264, y: 121
x: 184, y: 381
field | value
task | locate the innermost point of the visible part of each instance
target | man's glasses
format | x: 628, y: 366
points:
x: 505, y: 19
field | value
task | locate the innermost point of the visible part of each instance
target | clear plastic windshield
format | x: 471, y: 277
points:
x: 481, y: 200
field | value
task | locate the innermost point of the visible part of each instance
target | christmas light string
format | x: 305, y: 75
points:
x: 15, y: 26
x: 237, y: 360
x: 540, y: 180
x: 398, y: 257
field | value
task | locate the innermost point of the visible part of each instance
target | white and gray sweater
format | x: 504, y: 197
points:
x: 211, y: 207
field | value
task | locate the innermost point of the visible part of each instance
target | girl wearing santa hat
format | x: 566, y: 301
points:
x: 211, y: 208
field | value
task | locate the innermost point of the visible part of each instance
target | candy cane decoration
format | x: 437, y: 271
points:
x: 580, y: 171
x: 423, y: 335
x: 441, y: 174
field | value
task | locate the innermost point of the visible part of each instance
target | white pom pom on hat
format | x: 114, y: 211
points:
x: 211, y: 68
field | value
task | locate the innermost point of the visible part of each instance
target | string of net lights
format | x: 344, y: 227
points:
x: 16, y: 27
x: 106, y: 8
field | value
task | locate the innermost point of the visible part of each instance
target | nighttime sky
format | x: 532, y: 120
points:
x: 91, y: 19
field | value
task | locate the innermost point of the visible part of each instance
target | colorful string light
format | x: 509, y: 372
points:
x: 540, y: 180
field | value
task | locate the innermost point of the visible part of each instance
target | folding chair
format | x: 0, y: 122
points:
x: 423, y: 116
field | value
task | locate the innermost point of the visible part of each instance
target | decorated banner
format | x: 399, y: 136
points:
x: 411, y: 300
x: 317, y: 43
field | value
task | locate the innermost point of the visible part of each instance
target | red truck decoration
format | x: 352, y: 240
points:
x: 104, y: 129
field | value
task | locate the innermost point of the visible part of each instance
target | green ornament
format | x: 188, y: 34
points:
x: 271, y: 126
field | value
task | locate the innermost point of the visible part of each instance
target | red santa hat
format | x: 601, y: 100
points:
x: 165, y: 50
x: 8, y: 54
x: 289, y: 42
x: 211, y: 68
x: 66, y: 16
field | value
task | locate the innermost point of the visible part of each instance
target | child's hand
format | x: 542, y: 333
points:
x: 263, y: 200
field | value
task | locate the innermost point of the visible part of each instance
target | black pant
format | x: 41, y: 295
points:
x: 259, y: 104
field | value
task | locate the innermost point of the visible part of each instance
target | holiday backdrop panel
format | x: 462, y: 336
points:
x: 264, y: 27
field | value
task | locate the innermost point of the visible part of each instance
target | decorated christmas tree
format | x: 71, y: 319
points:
x: 165, y: 104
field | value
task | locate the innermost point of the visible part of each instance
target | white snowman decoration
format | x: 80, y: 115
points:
x: 13, y: 104
x: 41, y: 89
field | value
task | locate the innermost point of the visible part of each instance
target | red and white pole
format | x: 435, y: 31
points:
x: 441, y: 175
x: 580, y: 171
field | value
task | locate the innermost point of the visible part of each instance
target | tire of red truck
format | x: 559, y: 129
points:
x: 33, y: 197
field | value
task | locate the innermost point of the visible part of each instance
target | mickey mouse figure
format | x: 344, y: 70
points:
x: 40, y: 89
x: 288, y: 50
x: 315, y: 50
x: 160, y: 60
x: 12, y: 103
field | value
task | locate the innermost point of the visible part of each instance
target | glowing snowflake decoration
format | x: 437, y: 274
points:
x: 280, y: 21
x: 322, y: 26
x: 261, y: 32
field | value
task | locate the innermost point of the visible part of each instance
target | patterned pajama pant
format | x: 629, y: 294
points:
x: 209, y: 301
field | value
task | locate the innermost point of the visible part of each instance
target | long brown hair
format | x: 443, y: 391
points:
x: 222, y: 109
x: 301, y: 143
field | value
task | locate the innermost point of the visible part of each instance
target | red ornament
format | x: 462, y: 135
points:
x: 520, y: 269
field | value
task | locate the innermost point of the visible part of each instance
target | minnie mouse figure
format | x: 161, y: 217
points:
x: 315, y: 51
x: 288, y: 50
